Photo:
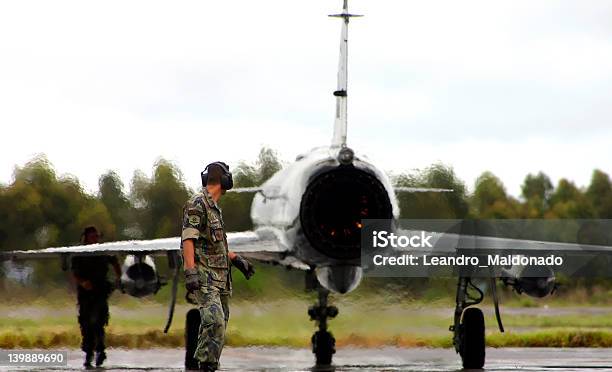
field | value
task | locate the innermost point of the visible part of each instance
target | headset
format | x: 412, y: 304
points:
x: 227, y: 181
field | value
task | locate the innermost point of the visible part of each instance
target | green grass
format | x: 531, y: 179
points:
x: 49, y: 338
x: 363, y: 323
x: 270, y: 309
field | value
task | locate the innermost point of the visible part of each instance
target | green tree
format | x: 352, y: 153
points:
x: 237, y: 206
x: 267, y: 164
x: 40, y: 209
x: 490, y: 199
x: 567, y: 201
x: 245, y: 175
x: 113, y: 197
x: 537, y: 186
x: 536, y: 191
x: 424, y: 205
x: 159, y: 200
x: 599, y: 193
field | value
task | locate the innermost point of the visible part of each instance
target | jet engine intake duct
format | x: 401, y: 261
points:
x: 535, y: 281
x: 333, y: 206
x: 139, y: 277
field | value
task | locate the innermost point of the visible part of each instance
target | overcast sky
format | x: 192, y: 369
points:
x: 508, y: 86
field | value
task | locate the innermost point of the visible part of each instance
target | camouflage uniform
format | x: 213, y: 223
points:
x: 203, y: 222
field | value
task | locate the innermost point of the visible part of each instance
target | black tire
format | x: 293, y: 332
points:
x: 324, y: 347
x: 192, y: 330
x: 473, y: 339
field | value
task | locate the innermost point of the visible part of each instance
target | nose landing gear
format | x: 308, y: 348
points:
x: 323, y: 342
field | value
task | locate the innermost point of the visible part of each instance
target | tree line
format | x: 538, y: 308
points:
x: 40, y: 208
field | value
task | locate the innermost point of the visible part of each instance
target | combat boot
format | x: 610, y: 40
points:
x: 208, y: 366
x: 88, y: 359
x: 100, y: 358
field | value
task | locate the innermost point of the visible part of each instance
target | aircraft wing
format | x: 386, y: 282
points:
x: 260, y: 245
x: 398, y: 189
x: 419, y: 189
x: 451, y: 242
x: 526, y: 246
x: 264, y: 245
x: 155, y: 246
x: 245, y: 189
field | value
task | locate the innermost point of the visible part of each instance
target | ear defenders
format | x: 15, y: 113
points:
x: 226, y: 178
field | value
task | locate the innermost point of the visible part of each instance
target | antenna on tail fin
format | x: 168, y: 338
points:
x: 339, y: 139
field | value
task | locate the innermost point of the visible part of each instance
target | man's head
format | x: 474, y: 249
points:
x: 90, y: 235
x: 217, y: 178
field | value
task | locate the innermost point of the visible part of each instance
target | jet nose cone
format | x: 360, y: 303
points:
x: 339, y: 279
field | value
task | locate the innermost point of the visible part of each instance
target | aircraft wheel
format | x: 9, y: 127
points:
x: 323, y: 346
x: 192, y: 330
x: 473, y: 339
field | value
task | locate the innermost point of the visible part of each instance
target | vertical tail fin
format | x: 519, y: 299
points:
x: 340, y: 124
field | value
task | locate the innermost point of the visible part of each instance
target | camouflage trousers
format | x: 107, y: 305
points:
x: 93, y: 317
x: 214, y: 314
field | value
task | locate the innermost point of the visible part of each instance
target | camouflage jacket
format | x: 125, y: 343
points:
x: 203, y: 222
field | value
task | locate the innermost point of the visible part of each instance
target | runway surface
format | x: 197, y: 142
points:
x: 351, y: 359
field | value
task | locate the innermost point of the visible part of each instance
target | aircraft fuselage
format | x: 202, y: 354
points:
x: 315, y: 207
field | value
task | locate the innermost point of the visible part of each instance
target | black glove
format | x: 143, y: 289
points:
x: 244, y: 266
x: 192, y: 279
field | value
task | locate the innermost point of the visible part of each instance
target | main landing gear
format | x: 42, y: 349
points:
x: 192, y: 330
x: 323, y: 342
x: 468, y: 326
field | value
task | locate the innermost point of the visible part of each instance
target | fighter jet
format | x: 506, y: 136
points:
x: 308, y: 216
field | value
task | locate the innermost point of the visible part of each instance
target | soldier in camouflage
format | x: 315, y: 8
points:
x: 207, y: 262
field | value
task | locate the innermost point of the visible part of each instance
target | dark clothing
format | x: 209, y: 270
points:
x: 92, y: 268
x: 93, y: 317
x: 93, y: 304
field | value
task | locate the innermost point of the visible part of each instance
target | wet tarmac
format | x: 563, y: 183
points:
x: 352, y: 359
